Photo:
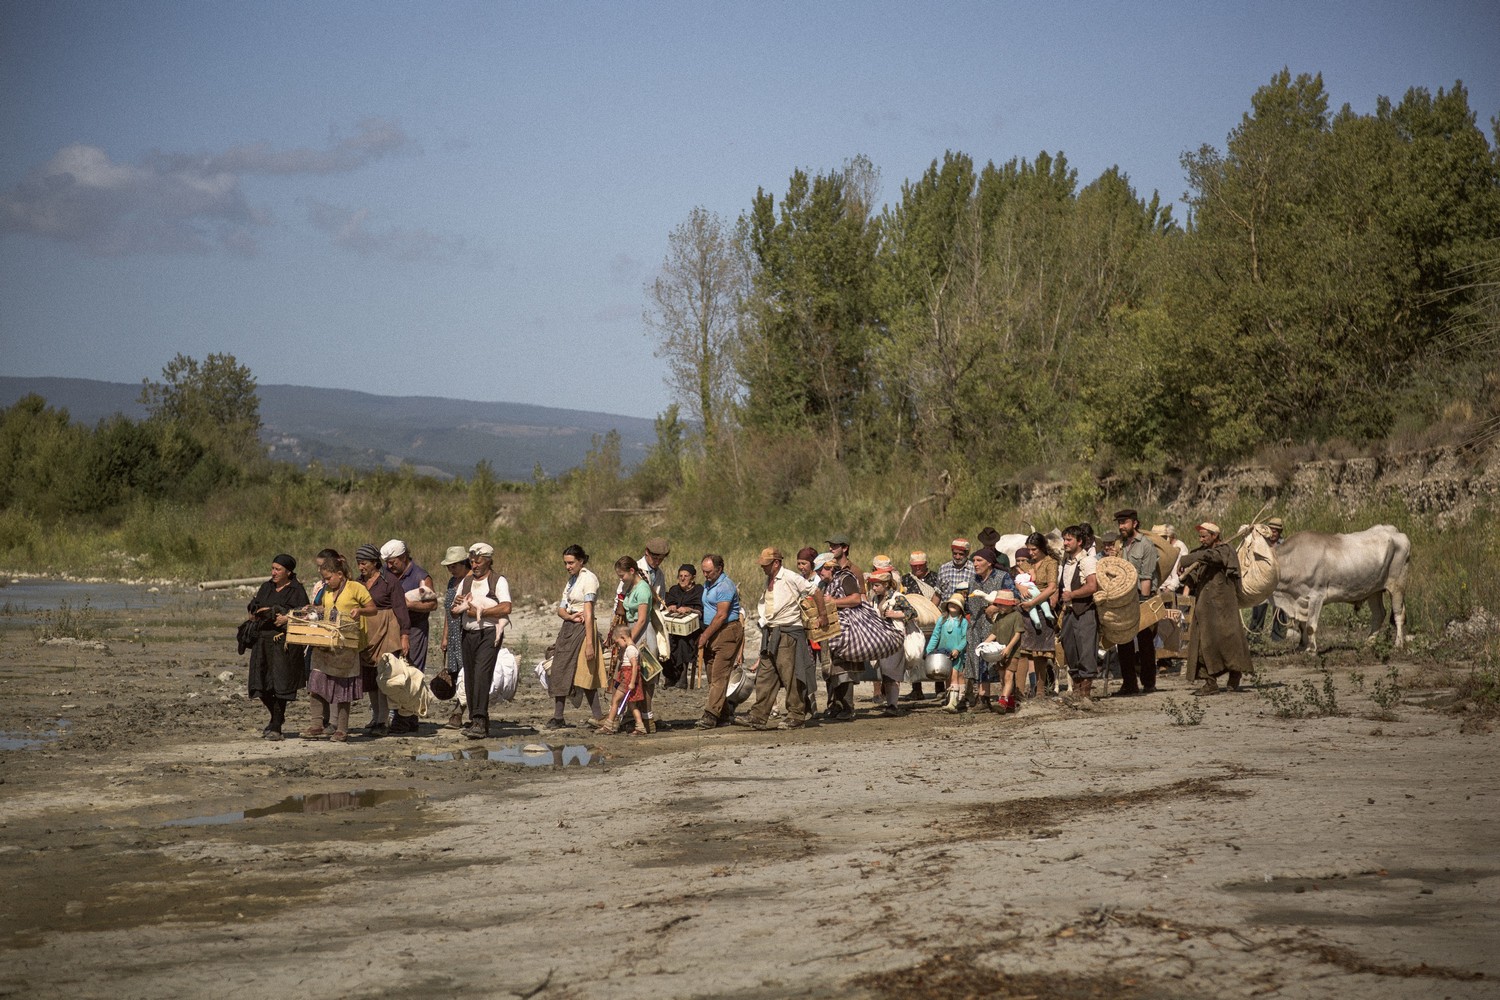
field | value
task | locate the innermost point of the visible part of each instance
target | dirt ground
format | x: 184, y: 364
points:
x: 157, y: 847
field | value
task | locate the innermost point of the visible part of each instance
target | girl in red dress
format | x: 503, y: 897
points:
x: 628, y: 689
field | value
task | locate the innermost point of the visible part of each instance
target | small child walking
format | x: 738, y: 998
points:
x: 951, y: 635
x: 1005, y: 633
x: 628, y: 689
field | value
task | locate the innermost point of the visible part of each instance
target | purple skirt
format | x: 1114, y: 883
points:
x: 335, y: 690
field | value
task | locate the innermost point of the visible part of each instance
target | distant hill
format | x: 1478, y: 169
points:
x: 443, y: 437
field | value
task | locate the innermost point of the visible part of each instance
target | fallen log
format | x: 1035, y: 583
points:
x: 244, y: 581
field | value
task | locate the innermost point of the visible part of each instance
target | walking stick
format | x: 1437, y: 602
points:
x: 695, y: 679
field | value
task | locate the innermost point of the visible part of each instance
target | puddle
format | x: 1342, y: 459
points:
x: 13, y: 740
x: 1380, y: 880
x: 529, y: 754
x: 321, y: 802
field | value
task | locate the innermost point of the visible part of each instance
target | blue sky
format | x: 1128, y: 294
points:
x: 466, y: 199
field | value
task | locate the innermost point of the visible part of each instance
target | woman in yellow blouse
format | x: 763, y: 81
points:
x: 335, y: 677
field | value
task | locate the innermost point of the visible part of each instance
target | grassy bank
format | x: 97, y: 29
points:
x: 1455, y: 571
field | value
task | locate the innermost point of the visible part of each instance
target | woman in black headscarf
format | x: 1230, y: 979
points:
x: 276, y: 672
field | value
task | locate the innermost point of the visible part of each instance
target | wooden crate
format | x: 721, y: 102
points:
x: 810, y: 621
x: 323, y: 634
x: 1175, y: 635
x: 682, y: 624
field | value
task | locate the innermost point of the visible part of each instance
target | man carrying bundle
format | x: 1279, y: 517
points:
x: 1218, y: 643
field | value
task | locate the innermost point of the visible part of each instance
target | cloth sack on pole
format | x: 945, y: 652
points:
x: 1258, y: 570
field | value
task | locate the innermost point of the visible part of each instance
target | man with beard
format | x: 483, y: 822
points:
x: 1138, y: 656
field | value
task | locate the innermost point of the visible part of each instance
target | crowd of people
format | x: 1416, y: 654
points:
x: 989, y: 627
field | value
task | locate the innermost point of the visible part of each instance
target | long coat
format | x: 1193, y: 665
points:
x: 1218, y: 642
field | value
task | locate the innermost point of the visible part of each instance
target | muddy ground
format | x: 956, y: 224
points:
x: 155, y: 846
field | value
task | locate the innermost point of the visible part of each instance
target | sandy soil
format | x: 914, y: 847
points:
x: 1051, y: 853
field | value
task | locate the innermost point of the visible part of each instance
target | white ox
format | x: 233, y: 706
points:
x: 1359, y: 568
x: 1009, y: 543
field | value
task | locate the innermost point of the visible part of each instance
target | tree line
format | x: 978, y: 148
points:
x: 201, y: 433
x: 1333, y: 276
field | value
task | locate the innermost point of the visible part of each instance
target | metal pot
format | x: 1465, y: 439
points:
x: 741, y: 685
x: 939, y: 665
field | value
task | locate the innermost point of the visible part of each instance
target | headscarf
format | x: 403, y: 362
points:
x: 367, y: 553
x: 286, y: 562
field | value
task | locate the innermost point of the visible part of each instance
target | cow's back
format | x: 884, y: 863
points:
x: 1345, y: 568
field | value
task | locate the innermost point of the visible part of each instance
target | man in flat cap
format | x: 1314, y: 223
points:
x: 1138, y: 656
x: 838, y: 544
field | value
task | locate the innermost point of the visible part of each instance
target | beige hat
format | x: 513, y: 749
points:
x: 1210, y: 527
x: 658, y: 547
x: 482, y: 549
x: 918, y: 559
x: 769, y: 555
x: 1276, y: 523
x: 455, y: 555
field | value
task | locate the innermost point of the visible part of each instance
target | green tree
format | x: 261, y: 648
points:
x: 661, y: 471
x: 1324, y: 255
x: 804, y: 360
x: 482, y: 494
x: 696, y: 312
x: 214, y: 401
x: 43, y: 457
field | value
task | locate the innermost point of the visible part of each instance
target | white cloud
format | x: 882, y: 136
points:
x: 81, y: 196
x: 174, y: 202
x: 350, y: 229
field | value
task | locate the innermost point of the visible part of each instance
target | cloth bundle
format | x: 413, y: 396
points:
x: 403, y: 684
x: 1259, y: 573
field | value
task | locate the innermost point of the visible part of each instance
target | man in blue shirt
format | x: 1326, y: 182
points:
x: 722, y: 641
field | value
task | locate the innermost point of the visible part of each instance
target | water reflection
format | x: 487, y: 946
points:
x: 322, y: 802
x: 529, y: 754
x: 14, y: 740
x: 29, y: 596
